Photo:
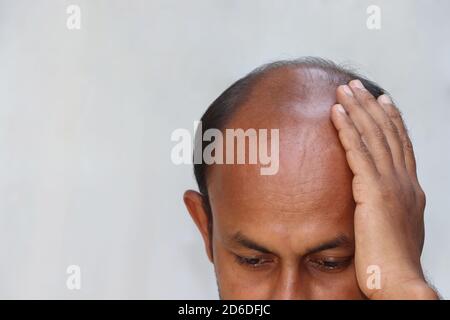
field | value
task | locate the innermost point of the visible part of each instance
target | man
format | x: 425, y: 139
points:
x: 345, y: 206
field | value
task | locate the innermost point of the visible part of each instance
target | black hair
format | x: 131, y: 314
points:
x: 226, y: 105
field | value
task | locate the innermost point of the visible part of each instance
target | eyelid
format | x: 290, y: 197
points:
x: 245, y: 259
x: 320, y: 263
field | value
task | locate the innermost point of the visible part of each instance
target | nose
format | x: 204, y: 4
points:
x: 289, y: 285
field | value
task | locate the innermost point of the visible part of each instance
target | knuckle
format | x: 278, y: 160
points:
x: 369, y: 98
x: 380, y: 136
x: 362, y: 148
x: 421, y: 197
x: 394, y: 113
x: 352, y: 106
x: 378, y: 133
x: 396, y: 191
x: 345, y: 139
x: 389, y: 125
x: 407, y: 144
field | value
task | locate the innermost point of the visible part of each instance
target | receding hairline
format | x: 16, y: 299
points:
x: 222, y: 110
x: 332, y: 74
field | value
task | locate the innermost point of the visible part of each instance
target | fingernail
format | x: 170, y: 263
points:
x: 356, y: 84
x: 384, y: 98
x: 347, y: 90
x: 340, y: 108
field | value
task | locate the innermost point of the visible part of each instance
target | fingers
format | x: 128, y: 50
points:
x: 407, y: 147
x: 358, y: 156
x: 380, y: 127
x: 389, y: 129
x: 371, y: 134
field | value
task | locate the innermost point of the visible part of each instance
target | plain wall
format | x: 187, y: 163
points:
x: 86, y: 117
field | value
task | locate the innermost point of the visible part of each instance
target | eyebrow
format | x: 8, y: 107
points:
x: 250, y: 244
x: 339, y: 241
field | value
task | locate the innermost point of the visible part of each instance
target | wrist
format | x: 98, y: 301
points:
x: 411, y: 290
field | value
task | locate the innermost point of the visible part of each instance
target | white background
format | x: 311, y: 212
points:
x: 86, y: 117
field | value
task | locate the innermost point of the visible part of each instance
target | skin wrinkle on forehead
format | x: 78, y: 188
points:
x: 290, y: 97
x: 298, y: 103
x: 304, y: 192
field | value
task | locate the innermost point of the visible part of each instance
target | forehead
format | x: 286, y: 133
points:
x: 313, y: 176
x: 313, y: 183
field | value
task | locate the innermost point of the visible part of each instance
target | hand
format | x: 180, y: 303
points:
x: 389, y: 227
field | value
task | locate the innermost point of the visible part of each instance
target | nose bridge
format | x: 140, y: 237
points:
x: 289, y: 284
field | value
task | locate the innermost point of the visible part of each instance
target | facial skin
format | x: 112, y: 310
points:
x: 302, y: 218
x: 292, y: 235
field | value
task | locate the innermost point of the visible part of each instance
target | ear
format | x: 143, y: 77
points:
x: 194, y: 203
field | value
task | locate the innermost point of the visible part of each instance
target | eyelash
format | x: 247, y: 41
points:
x: 252, y: 262
x: 322, y: 265
x: 329, y: 265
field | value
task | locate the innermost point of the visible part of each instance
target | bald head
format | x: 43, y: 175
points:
x: 313, y: 174
x: 259, y: 230
x: 288, y: 91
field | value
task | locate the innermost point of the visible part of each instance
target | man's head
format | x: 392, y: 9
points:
x: 288, y: 235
